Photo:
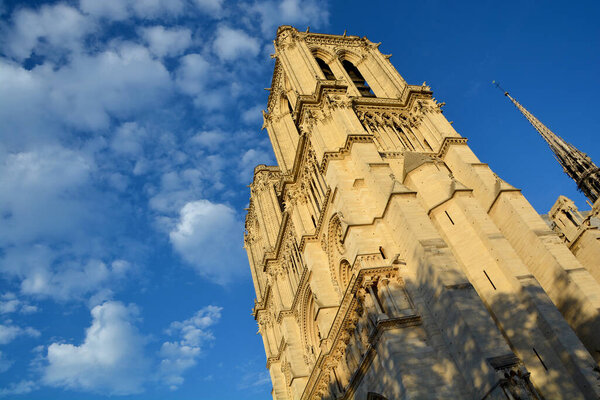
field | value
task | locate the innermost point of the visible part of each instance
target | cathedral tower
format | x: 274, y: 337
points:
x: 388, y: 261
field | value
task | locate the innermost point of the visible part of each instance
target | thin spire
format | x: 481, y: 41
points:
x: 575, y: 163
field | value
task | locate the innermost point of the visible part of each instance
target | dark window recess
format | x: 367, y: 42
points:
x: 315, y: 198
x: 325, y: 69
x: 381, y: 252
x: 448, y: 215
x: 289, y: 105
x: 427, y: 144
x: 280, y: 200
x: 375, y: 396
x: 358, y: 80
x: 570, y: 217
x: 487, y: 276
x: 313, y: 221
x: 540, y: 358
x: 337, y: 382
x: 377, y: 298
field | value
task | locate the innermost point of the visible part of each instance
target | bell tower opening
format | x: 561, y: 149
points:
x: 325, y: 69
x: 358, y: 80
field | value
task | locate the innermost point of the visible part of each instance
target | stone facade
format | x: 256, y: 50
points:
x: 389, y: 262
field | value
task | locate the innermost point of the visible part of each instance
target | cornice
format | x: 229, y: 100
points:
x: 333, y: 40
x: 409, y: 95
x: 277, y: 357
x: 343, y: 151
x: 449, y: 141
x: 319, y: 228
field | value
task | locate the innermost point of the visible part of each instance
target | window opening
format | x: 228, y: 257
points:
x: 289, y: 105
x: 325, y: 69
x: 381, y: 252
x: 487, y: 276
x: 315, y: 197
x: 317, y: 178
x: 540, y: 358
x: 375, y: 396
x: 427, y: 144
x: 358, y: 80
x: 279, y: 199
x: 448, y: 215
x: 337, y: 381
x: 377, y: 299
x: 570, y: 217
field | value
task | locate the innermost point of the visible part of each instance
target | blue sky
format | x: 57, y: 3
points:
x: 128, y: 133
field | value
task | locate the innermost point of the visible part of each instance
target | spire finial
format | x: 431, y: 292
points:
x: 497, y: 84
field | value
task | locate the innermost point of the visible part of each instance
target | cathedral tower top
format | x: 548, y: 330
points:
x: 315, y: 73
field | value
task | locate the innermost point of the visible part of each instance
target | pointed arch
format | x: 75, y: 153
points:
x: 285, y: 105
x: 335, y: 249
x: 323, y: 59
x: 309, y: 329
x: 344, y: 273
x: 357, y: 79
x: 325, y: 69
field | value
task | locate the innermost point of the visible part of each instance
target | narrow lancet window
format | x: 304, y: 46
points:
x: 358, y: 80
x: 287, y: 102
x: 325, y: 69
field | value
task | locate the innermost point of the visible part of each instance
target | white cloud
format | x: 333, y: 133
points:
x: 5, y: 363
x: 122, y: 9
x: 34, y: 182
x: 18, y: 388
x: 208, y: 237
x: 250, y: 159
x: 193, y: 74
x: 70, y: 280
x: 86, y: 93
x: 208, y: 139
x: 179, y: 187
x: 231, y: 44
x: 9, y: 332
x: 9, y: 306
x: 182, y: 354
x: 129, y: 139
x: 200, y: 79
x: 254, y: 378
x: 121, y: 83
x: 9, y: 303
x: 291, y: 12
x: 109, y: 361
x: 23, y: 106
x: 212, y: 100
x: 167, y: 42
x: 253, y: 115
x: 51, y: 29
x: 211, y: 7
x: 48, y: 253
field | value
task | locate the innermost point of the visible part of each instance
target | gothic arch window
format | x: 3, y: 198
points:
x: 308, y: 319
x: 325, y: 69
x: 286, y: 105
x: 358, y: 80
x: 344, y: 274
